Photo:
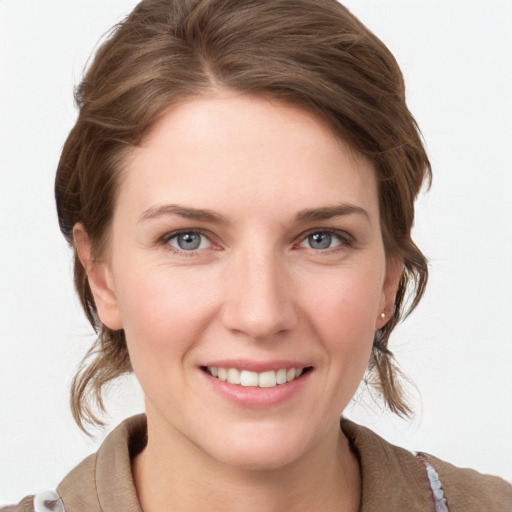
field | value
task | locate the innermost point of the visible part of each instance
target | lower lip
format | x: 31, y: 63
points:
x: 256, y: 397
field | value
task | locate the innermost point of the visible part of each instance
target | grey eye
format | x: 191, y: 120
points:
x: 189, y: 241
x: 320, y: 240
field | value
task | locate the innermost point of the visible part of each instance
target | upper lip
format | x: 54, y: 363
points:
x: 257, y: 366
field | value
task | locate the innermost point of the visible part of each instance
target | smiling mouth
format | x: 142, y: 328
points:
x: 268, y: 379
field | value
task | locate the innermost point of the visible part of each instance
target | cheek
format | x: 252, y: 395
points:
x: 343, y: 309
x: 163, y: 309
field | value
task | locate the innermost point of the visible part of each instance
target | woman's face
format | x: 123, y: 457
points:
x: 245, y: 244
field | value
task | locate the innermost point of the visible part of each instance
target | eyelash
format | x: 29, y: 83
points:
x: 345, y: 239
x: 164, y: 240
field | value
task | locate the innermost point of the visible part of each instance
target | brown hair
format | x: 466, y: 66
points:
x: 313, y: 53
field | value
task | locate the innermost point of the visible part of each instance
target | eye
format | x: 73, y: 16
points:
x: 322, y: 240
x: 188, y: 241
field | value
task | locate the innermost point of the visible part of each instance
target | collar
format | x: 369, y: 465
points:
x: 392, y: 478
x: 103, y: 482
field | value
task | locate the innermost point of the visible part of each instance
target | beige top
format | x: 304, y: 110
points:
x: 393, y: 479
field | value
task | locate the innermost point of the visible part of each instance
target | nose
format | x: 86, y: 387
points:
x: 259, y: 297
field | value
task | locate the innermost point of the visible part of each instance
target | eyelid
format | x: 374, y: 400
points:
x: 345, y: 238
x: 164, y: 240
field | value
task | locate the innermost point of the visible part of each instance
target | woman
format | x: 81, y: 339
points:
x: 239, y: 192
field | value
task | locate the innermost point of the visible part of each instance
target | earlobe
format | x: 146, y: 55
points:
x: 100, y: 280
x: 394, y: 271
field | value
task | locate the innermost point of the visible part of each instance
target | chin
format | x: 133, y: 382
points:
x: 261, y: 449
x: 254, y: 459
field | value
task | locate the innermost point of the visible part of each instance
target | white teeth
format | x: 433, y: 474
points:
x: 268, y: 379
x: 233, y: 376
x: 281, y: 376
x: 248, y: 378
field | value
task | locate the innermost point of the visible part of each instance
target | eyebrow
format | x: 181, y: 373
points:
x: 328, y: 212
x: 199, y: 214
x: 205, y: 215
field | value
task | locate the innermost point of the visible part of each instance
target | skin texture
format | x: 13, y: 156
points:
x: 256, y: 290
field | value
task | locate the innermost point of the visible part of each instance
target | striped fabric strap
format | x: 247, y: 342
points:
x: 440, y: 503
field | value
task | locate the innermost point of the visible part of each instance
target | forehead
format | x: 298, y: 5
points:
x: 233, y: 151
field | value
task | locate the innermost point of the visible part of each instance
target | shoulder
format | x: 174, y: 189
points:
x: 25, y: 505
x: 53, y: 501
x: 46, y: 501
x: 396, y: 479
x: 470, y: 490
x: 102, y: 482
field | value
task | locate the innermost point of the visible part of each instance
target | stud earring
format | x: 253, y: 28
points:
x: 383, y: 315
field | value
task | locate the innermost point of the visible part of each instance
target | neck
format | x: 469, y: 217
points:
x: 173, y: 474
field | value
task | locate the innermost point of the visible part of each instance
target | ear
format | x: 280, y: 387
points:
x: 394, y: 269
x: 100, y: 280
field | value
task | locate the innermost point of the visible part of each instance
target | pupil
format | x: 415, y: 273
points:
x: 320, y: 240
x: 189, y: 241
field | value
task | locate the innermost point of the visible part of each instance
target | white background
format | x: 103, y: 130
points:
x: 457, y: 347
